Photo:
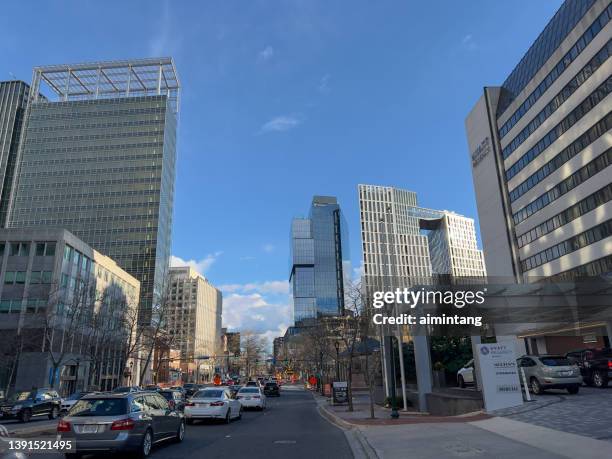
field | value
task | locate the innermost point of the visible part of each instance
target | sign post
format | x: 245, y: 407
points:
x: 500, y: 380
x: 340, y: 393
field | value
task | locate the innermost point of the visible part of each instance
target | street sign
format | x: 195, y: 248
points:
x: 312, y: 380
x: 500, y: 380
x: 340, y: 392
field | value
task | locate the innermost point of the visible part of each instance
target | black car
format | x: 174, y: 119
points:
x: 595, y: 365
x: 271, y: 389
x: 176, y: 399
x: 34, y: 403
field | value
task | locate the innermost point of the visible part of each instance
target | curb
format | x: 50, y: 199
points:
x: 355, y: 438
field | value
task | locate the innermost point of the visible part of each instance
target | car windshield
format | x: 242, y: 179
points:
x: 21, y: 396
x: 208, y: 394
x: 99, y: 407
x: 248, y: 391
x: 167, y: 395
x: 555, y: 361
x: 601, y: 353
x: 271, y: 385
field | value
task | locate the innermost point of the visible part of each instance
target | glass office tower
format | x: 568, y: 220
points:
x: 319, y: 260
x: 98, y: 158
x: 13, y: 101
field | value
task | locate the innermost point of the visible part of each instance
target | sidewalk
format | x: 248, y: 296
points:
x: 477, y: 435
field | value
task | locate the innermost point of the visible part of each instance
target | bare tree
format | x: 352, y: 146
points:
x: 253, y: 351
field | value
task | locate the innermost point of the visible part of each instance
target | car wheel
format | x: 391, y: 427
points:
x: 573, y: 389
x: 536, y: 387
x: 189, y: 421
x: 180, y: 433
x: 25, y: 416
x: 228, y: 416
x: 461, y: 382
x: 599, y: 380
x: 54, y: 412
x: 146, y: 445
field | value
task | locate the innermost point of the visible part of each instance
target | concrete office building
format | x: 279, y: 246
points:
x: 194, y: 320
x: 53, y: 281
x: 97, y: 157
x: 319, y: 260
x: 540, y: 148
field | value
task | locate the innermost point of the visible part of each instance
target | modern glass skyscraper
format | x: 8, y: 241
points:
x: 319, y: 260
x: 541, y: 150
x: 13, y: 101
x: 98, y: 158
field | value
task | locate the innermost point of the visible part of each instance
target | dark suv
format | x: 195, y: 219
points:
x: 271, y: 389
x: 595, y: 365
x: 28, y: 404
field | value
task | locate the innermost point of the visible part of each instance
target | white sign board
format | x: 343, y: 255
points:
x: 500, y: 380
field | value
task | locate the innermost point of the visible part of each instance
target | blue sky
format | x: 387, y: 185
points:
x: 283, y: 100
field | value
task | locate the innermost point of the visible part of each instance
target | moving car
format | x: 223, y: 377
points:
x: 252, y: 384
x: 66, y: 403
x: 190, y: 389
x: 122, y: 389
x: 251, y: 397
x: 213, y: 403
x: 28, y: 404
x: 595, y: 365
x: 465, y: 375
x: 549, y: 372
x: 122, y: 422
x: 175, y: 398
x: 271, y: 389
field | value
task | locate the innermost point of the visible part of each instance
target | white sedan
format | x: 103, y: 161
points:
x: 251, y: 397
x: 213, y: 403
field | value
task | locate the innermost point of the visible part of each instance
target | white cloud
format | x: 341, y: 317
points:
x: 202, y: 265
x: 271, y: 287
x: 280, y: 124
x: 254, y: 313
x: 468, y: 42
x: 266, y: 54
x: 268, y: 248
x: 324, y: 84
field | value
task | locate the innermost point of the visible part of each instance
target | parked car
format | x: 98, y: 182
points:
x: 271, y: 389
x: 465, y: 375
x: 213, y: 403
x: 252, y: 384
x: 121, y: 389
x: 152, y: 387
x: 251, y: 397
x: 66, y: 403
x: 175, y: 398
x: 549, y: 372
x: 190, y: 389
x: 121, y: 422
x: 28, y: 404
x: 595, y: 365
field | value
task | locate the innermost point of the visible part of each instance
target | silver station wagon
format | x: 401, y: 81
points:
x: 120, y: 422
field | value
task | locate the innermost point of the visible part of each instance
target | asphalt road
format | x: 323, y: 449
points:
x: 290, y: 427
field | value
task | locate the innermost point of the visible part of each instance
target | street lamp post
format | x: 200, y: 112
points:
x: 337, y: 346
x: 394, y: 413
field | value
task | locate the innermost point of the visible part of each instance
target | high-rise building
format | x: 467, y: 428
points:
x: 540, y: 148
x: 405, y: 245
x: 98, y: 158
x: 13, y: 102
x: 60, y: 297
x: 319, y: 260
x: 194, y: 320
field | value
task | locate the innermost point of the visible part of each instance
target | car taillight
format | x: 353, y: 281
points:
x: 123, y: 424
x: 609, y: 364
x: 63, y: 426
x: 256, y: 396
x: 189, y: 404
x: 216, y: 404
x: 171, y: 404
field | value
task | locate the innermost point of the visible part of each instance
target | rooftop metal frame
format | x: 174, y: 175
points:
x: 109, y: 80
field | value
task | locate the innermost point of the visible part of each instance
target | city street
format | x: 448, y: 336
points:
x: 290, y: 427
